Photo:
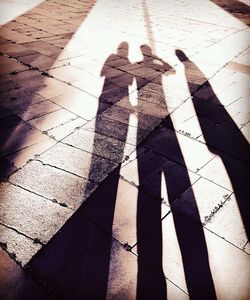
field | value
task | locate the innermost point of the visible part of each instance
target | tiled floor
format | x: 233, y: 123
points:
x: 124, y: 150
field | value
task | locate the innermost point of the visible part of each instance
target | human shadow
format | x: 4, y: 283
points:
x: 75, y: 262
x: 190, y: 235
x: 223, y: 138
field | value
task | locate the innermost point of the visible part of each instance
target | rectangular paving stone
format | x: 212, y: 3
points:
x: 54, y: 184
x: 31, y: 214
x: 44, y: 48
x: 23, y: 247
x: 15, y: 36
x: 78, y: 162
x: 104, y: 146
x: 69, y: 74
x: 79, y: 103
x: 65, y: 129
x: 52, y: 119
x: 15, y: 50
x: 37, y: 60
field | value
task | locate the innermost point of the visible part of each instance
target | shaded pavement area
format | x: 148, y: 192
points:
x: 124, y: 150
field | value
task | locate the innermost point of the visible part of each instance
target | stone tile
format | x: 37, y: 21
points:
x: 31, y: 214
x: 37, y: 60
x: 99, y: 144
x: 68, y: 74
x: 179, y: 148
x: 37, y: 110
x: 78, y: 162
x: 14, y: 36
x: 65, y: 129
x: 52, y: 120
x: 20, y: 158
x: 15, y: 50
x: 198, y: 203
x: 227, y: 223
x: 49, y: 181
x: 23, y: 247
x: 30, y: 79
x: 44, y: 48
x: 79, y: 103
x: 52, y: 88
x: 8, y: 65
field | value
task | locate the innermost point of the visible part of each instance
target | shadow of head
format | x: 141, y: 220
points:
x: 181, y: 55
x: 122, y: 49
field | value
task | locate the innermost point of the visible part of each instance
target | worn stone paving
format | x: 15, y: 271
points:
x: 125, y: 154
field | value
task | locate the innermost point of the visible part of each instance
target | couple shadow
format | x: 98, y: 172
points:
x: 75, y: 263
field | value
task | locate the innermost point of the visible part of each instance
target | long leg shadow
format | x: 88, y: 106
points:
x: 190, y: 235
x: 224, y: 139
x: 75, y: 263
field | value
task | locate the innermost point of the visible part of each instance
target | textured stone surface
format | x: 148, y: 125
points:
x: 19, y: 245
x: 28, y: 213
x: 78, y: 162
x: 47, y: 181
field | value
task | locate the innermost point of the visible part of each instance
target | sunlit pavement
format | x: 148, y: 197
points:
x: 124, y: 149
